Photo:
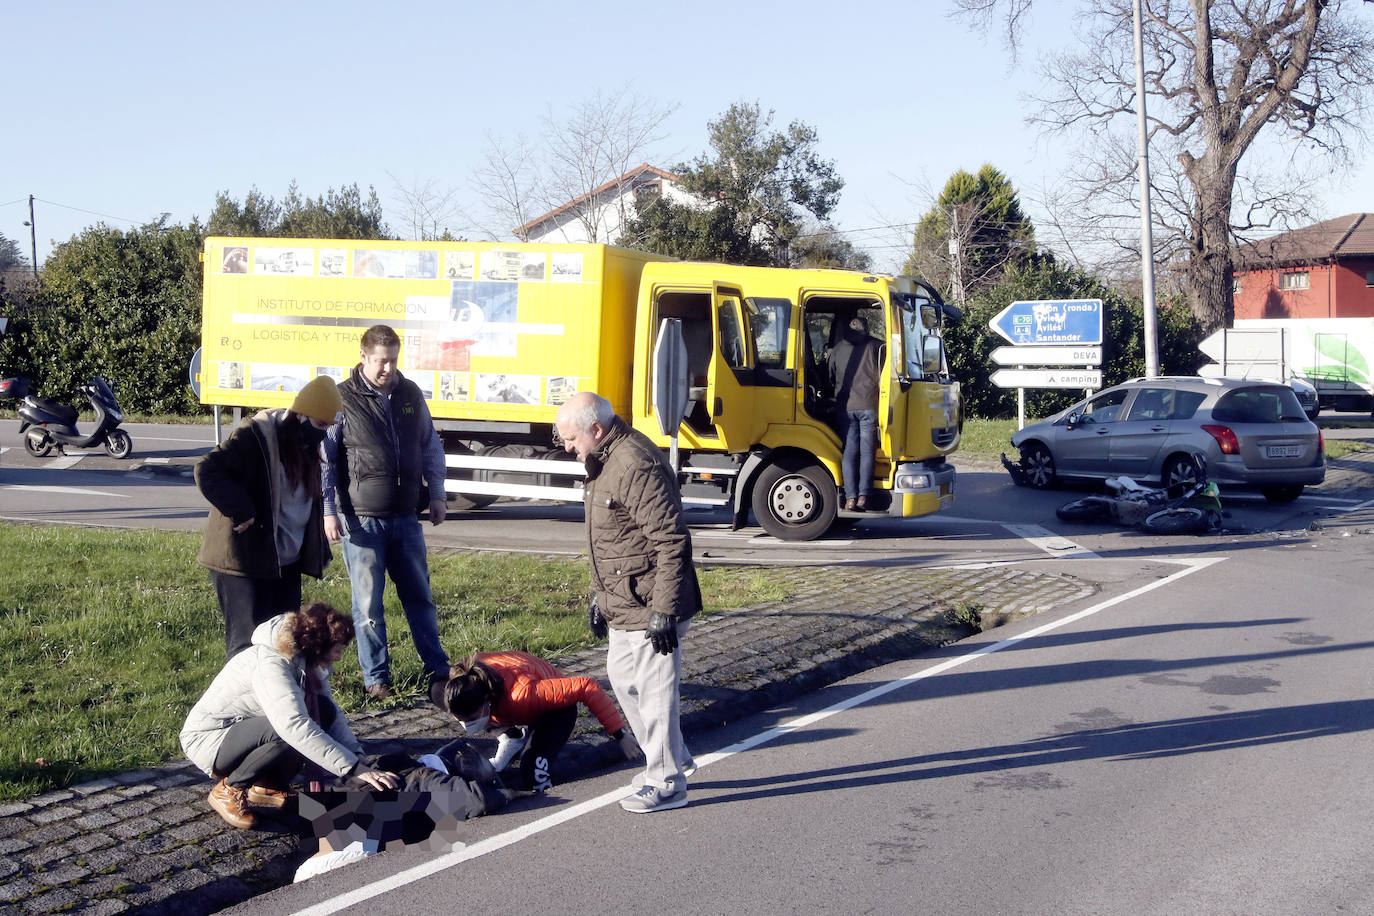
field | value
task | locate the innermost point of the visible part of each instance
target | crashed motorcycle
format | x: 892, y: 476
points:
x: 46, y: 424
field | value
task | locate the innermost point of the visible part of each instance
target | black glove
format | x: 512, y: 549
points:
x: 595, y: 620
x: 662, y: 632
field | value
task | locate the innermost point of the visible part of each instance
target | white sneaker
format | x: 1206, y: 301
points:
x: 652, y: 798
x: 508, y: 746
x: 322, y: 862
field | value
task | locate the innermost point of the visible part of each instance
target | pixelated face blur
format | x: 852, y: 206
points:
x: 579, y: 442
x: 332, y: 657
x: 379, y: 366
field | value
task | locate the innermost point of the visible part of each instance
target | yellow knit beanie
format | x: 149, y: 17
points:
x: 319, y: 400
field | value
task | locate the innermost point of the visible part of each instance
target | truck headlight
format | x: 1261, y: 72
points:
x: 913, y: 481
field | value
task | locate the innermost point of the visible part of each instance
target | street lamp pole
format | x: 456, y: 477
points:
x: 1147, y: 253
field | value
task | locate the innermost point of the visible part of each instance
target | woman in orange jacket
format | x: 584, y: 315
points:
x: 534, y: 706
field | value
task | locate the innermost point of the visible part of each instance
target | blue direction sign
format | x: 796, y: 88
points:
x: 1050, y: 321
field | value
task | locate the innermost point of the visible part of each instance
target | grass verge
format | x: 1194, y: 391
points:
x: 108, y: 637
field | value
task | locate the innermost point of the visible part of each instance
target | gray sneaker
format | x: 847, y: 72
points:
x: 652, y: 798
x: 688, y: 769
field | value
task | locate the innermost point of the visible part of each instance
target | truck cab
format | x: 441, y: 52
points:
x: 759, y: 429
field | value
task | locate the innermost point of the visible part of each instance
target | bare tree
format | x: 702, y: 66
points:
x: 1223, y: 78
x: 509, y: 180
x: 580, y: 162
x: 431, y: 211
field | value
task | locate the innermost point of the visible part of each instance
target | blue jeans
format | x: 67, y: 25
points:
x: 859, y: 432
x: 372, y: 548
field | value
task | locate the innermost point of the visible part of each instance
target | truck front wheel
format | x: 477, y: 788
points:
x: 795, y: 501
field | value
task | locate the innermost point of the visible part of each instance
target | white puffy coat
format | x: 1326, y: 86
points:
x: 267, y: 679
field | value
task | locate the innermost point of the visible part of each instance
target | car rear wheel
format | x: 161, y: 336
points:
x: 1282, y: 494
x: 1179, y: 470
x: 1038, y: 464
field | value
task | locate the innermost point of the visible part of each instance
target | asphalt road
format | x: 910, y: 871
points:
x: 991, y: 522
x: 1174, y: 745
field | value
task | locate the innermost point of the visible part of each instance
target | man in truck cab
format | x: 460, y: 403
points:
x: 377, y: 461
x: 855, y: 372
x: 644, y: 585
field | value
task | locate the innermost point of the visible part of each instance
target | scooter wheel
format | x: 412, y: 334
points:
x: 1089, y: 509
x: 119, y: 444
x: 1179, y: 520
x: 37, y: 443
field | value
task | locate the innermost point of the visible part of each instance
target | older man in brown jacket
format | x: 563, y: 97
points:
x: 643, y: 582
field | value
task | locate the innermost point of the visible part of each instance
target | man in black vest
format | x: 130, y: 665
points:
x: 376, y: 461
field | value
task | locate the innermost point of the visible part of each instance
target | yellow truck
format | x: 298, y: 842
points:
x: 498, y: 335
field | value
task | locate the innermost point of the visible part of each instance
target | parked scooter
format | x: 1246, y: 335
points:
x: 46, y: 424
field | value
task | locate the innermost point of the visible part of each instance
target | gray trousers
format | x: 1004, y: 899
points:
x: 646, y: 684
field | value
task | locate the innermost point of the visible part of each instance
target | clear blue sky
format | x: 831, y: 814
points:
x: 120, y: 112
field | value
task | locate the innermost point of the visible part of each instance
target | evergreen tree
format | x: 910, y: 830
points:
x: 972, y: 236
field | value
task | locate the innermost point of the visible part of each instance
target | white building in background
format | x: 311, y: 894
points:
x: 599, y: 216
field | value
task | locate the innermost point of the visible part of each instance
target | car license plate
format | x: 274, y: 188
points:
x: 1282, y: 451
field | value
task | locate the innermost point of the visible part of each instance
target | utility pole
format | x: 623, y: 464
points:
x: 956, y: 258
x: 33, y: 236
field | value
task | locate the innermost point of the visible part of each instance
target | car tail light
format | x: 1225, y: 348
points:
x: 1226, y: 439
x: 1321, y: 443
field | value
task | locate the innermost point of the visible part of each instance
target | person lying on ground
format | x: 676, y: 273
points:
x: 438, y: 792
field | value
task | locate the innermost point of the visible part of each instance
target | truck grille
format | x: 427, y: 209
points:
x: 945, y: 436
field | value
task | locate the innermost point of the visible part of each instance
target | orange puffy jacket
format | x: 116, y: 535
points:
x: 534, y: 687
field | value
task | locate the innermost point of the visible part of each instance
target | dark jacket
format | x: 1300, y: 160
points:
x: 641, y: 552
x: 380, y: 460
x: 855, y: 368
x: 239, y: 479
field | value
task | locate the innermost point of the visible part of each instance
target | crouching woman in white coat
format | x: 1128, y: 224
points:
x: 269, y: 710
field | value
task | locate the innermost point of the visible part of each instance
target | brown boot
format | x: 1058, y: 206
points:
x: 231, y: 803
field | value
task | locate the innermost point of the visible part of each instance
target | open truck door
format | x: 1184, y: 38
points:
x: 730, y: 382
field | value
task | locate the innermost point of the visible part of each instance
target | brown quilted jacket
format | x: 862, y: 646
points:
x: 641, y: 552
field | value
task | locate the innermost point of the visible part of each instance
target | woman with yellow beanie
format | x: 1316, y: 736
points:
x: 266, y: 524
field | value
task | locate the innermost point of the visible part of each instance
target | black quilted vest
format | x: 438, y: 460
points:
x: 380, y: 463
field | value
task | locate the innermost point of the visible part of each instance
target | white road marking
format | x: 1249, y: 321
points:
x: 157, y: 460
x: 65, y: 461
x: 1051, y: 543
x: 511, y: 837
x: 39, y: 488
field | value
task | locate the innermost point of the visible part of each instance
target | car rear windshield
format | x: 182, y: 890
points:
x: 1271, y: 404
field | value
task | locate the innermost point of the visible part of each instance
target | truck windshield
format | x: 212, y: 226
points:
x: 923, y: 349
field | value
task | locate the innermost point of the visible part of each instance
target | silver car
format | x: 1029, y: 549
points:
x: 1251, y: 434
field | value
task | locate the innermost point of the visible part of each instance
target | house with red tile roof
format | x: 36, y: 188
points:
x: 1325, y: 270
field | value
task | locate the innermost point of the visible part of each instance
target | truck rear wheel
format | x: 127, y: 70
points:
x: 795, y: 500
